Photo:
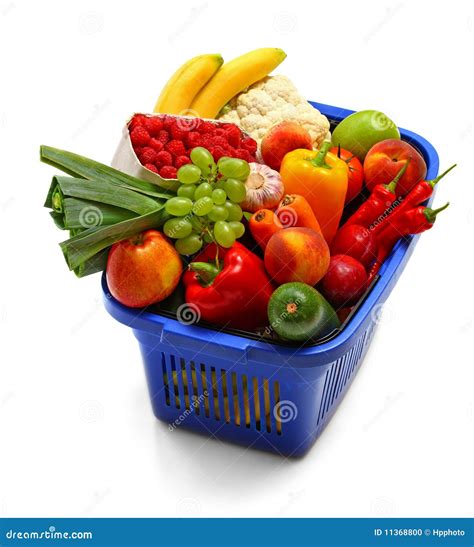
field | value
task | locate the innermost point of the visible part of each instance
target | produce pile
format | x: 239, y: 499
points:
x: 234, y: 199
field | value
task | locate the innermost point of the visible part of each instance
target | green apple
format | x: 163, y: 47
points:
x: 361, y: 130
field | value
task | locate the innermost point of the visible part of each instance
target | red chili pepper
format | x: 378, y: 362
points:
x: 413, y: 221
x: 420, y: 193
x: 382, y: 196
x: 235, y: 294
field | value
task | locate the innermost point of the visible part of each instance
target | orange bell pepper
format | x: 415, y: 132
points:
x: 294, y: 210
x: 320, y: 177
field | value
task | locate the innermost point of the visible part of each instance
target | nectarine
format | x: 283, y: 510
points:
x: 297, y: 254
x: 281, y: 139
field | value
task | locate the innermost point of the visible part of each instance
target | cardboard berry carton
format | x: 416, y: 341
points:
x: 154, y: 146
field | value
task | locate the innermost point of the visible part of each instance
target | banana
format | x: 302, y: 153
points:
x: 186, y: 82
x: 234, y: 77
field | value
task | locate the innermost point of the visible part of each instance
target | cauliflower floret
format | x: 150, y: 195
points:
x: 271, y: 101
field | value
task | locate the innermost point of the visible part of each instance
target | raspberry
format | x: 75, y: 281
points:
x: 138, y: 119
x: 230, y: 152
x: 176, y: 148
x: 148, y: 155
x: 138, y: 150
x: 193, y: 138
x: 178, y: 133
x: 206, y: 127
x: 207, y: 140
x: 243, y: 154
x: 219, y: 141
x: 153, y: 125
x: 180, y: 161
x: 156, y: 144
x: 232, y: 134
x: 163, y: 136
x: 249, y: 144
x: 164, y: 158
x: 217, y: 152
x: 139, y: 136
x: 219, y: 132
x: 168, y: 122
x: 151, y: 167
x: 168, y: 172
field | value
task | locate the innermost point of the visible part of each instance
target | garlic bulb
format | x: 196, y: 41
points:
x: 264, y: 188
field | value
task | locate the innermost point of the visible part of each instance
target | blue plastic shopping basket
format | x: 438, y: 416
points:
x: 247, y: 390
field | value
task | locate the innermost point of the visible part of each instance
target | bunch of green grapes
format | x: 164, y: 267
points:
x: 206, y: 207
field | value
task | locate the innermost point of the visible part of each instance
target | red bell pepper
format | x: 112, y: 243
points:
x: 235, y: 293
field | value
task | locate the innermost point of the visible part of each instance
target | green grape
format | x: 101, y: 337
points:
x: 234, y: 168
x: 178, y: 227
x: 178, y: 207
x: 235, y: 211
x: 196, y: 223
x: 203, y: 206
x: 238, y: 228
x: 187, y: 191
x: 236, y: 190
x: 222, y: 160
x: 188, y: 245
x: 203, y: 159
x: 203, y: 190
x: 219, y: 185
x: 224, y: 234
x: 208, y: 238
x: 219, y: 196
x: 218, y: 212
x: 189, y: 174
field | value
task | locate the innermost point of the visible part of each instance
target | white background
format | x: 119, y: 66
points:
x: 77, y: 434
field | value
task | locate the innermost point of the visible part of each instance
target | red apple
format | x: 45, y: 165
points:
x: 344, y: 282
x: 281, y: 139
x: 143, y: 269
x: 385, y: 159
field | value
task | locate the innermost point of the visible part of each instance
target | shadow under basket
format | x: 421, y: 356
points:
x: 253, y: 392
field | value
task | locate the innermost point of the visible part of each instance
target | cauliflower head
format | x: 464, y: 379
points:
x: 270, y: 101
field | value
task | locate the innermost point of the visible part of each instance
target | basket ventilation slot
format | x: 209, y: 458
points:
x: 222, y: 395
x: 338, y: 375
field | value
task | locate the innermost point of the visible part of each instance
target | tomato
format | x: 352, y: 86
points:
x: 355, y: 179
x: 143, y: 269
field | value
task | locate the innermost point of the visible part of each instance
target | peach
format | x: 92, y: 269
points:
x: 297, y: 254
x: 281, y: 139
x: 385, y: 159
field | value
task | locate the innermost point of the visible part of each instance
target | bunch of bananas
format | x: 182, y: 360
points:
x: 204, y: 84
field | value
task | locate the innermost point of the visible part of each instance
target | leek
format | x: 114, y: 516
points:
x: 101, y: 191
x: 82, y: 167
x: 82, y: 213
